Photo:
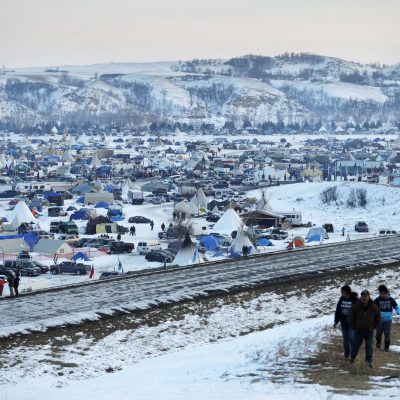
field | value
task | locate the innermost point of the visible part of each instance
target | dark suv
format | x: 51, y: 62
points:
x: 27, y: 267
x: 361, y: 226
x: 70, y: 267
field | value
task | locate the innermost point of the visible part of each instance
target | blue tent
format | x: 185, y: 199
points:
x: 4, y: 219
x: 264, y: 242
x: 209, y: 242
x: 79, y: 214
x: 218, y: 253
x: 315, y: 238
x: 108, y: 188
x: 31, y: 240
x: 81, y: 199
x: 80, y: 255
x: 117, y: 218
x: 102, y: 204
x: 235, y: 255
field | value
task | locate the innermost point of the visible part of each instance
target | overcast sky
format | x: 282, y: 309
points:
x: 59, y: 32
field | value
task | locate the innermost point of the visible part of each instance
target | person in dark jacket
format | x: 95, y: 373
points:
x: 10, y: 280
x: 386, y: 306
x: 363, y: 318
x: 346, y: 301
x: 163, y: 227
x: 16, y: 281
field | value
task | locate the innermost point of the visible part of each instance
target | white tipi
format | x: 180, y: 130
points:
x: 229, y: 222
x: 188, y: 254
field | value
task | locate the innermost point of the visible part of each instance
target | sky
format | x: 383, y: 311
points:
x: 69, y: 32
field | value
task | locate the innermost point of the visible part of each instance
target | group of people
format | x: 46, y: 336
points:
x: 360, y: 316
x: 132, y: 230
x: 13, y: 279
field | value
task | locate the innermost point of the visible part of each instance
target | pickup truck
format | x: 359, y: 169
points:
x: 70, y: 267
x: 121, y: 247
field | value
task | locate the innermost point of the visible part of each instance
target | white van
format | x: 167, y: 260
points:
x: 144, y: 247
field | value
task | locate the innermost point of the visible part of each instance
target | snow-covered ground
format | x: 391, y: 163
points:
x: 381, y: 212
x: 209, y: 351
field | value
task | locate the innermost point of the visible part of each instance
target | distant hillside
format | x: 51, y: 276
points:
x: 297, y: 90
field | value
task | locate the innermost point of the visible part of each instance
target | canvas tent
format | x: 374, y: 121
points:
x: 188, y: 253
x: 317, y: 231
x: 242, y: 240
x: 21, y: 214
x: 297, y: 241
x: 52, y: 246
x: 229, y: 222
x: 94, y: 198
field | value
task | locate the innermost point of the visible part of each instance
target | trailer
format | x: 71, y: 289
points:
x: 136, y: 197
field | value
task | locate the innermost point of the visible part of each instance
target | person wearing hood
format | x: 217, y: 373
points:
x: 386, y: 305
x: 363, y: 318
x: 347, y: 299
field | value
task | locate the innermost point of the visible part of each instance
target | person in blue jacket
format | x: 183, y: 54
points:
x: 347, y: 299
x: 386, y: 305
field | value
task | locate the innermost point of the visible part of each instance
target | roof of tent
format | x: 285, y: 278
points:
x: 188, y: 254
x: 317, y: 231
x: 229, y: 222
x: 242, y: 240
x: 21, y: 213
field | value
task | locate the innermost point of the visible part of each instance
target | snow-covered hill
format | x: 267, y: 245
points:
x: 288, y: 89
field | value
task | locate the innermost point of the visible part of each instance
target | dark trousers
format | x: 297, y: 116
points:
x: 358, y: 338
x: 347, y: 334
x: 384, y: 327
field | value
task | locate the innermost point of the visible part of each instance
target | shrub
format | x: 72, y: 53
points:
x: 329, y: 195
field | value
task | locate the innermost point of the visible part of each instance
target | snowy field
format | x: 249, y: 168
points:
x: 381, y: 212
x: 224, y: 350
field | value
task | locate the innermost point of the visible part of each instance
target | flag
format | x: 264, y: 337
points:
x: 91, y: 275
x: 196, y: 253
x: 120, y: 267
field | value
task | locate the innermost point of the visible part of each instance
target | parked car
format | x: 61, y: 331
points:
x: 147, y: 246
x: 43, y: 268
x: 24, y: 255
x: 69, y: 228
x: 27, y: 267
x: 56, y: 212
x: 213, y: 218
x: 7, y: 194
x: 361, y: 226
x: 70, y: 267
x: 387, y: 232
x: 121, y: 247
x: 158, y: 256
x: 70, y: 239
x: 109, y: 274
x: 328, y: 228
x: 139, y: 220
x: 278, y: 234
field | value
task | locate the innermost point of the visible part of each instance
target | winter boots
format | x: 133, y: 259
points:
x: 387, y: 344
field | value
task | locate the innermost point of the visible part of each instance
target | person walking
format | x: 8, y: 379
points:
x: 119, y: 237
x: 346, y: 301
x: 386, y: 305
x: 10, y: 280
x: 133, y: 230
x: 163, y: 227
x: 17, y: 278
x: 363, y: 318
x: 343, y: 231
x: 151, y: 224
